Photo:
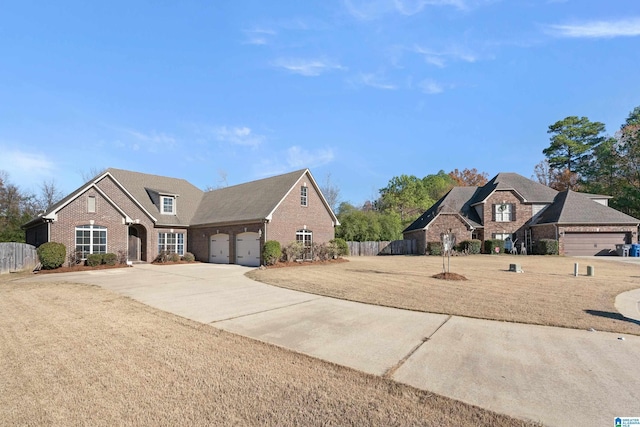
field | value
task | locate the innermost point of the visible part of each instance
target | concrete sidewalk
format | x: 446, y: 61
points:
x: 557, y: 376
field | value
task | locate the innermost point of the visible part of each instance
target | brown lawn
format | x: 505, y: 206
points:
x: 80, y: 355
x: 547, y: 293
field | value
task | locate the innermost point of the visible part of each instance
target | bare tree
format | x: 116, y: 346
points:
x: 49, y: 194
x: 222, y: 182
x: 331, y: 192
x: 93, y: 172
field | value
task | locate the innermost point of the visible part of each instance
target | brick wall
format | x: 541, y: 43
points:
x: 523, y: 213
x: 76, y: 214
x: 291, y: 216
x: 446, y: 222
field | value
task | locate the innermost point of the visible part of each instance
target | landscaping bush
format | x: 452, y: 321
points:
x: 271, y: 252
x: 546, y: 247
x: 491, y: 245
x: 434, y: 248
x: 109, y: 259
x: 341, y: 246
x: 293, y: 251
x: 189, y: 257
x: 162, y: 257
x: 324, y: 251
x: 94, y: 260
x: 174, y: 257
x: 472, y: 247
x: 52, y: 255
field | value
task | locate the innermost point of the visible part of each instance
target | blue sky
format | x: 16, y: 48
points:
x: 361, y: 91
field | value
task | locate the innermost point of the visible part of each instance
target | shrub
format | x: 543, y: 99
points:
x: 546, y: 247
x: 189, y: 257
x: 324, y: 251
x: 341, y: 246
x: 173, y: 257
x: 271, y: 252
x: 110, y: 259
x: 491, y: 245
x: 471, y: 247
x: 94, y: 260
x: 52, y: 255
x: 434, y: 248
x: 162, y: 257
x: 293, y: 251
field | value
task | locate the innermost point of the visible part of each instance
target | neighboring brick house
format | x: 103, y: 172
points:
x: 512, y: 207
x: 137, y: 215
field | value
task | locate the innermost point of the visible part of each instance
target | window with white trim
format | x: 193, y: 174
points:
x: 168, y: 205
x: 503, y: 212
x: 91, y: 239
x: 304, y: 200
x: 306, y: 238
x: 171, y: 243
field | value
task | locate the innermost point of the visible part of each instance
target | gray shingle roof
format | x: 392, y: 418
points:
x: 456, y: 201
x: 531, y: 191
x: 570, y: 207
x: 138, y: 184
x: 245, y: 202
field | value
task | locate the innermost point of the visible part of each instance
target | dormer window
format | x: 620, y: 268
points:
x: 168, y: 204
x: 304, y: 200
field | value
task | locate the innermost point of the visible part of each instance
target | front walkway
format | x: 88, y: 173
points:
x: 553, y: 375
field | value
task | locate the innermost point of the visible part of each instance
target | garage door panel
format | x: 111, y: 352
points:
x: 248, y: 249
x: 588, y: 244
x: 219, y: 249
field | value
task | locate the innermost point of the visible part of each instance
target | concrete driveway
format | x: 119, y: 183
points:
x: 556, y: 376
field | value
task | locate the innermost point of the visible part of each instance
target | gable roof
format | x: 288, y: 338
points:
x: 138, y: 185
x: 570, y: 207
x: 251, y: 201
x: 530, y: 191
x: 456, y: 201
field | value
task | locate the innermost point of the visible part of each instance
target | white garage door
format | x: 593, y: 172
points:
x: 581, y: 244
x: 219, y: 249
x: 248, y: 249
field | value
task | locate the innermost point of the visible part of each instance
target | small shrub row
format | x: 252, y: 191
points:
x: 491, y: 245
x: 272, y: 252
x: 166, y: 256
x: 94, y: 260
x: 471, y: 247
x: 546, y: 247
x: 434, y: 248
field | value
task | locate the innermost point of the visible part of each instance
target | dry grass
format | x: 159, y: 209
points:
x: 79, y: 355
x: 546, y: 293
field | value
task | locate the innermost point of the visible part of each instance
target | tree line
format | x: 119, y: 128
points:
x: 18, y: 206
x: 581, y: 157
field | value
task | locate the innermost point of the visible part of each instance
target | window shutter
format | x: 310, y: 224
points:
x: 493, y: 213
x: 513, y: 212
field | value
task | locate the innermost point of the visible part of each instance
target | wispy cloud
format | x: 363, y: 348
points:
x: 259, y: 36
x: 153, y: 141
x: 597, y: 29
x: 25, y: 168
x: 365, y: 10
x: 294, y: 157
x: 375, y: 81
x: 238, y: 136
x: 308, y: 67
x: 441, y: 58
x: 298, y: 157
x: 431, y: 87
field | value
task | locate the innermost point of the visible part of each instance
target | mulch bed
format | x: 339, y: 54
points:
x: 449, y: 276
x: 305, y: 263
x: 80, y: 267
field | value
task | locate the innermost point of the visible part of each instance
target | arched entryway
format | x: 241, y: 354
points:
x: 137, y: 243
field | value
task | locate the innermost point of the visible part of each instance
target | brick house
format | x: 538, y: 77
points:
x: 514, y: 208
x: 137, y: 215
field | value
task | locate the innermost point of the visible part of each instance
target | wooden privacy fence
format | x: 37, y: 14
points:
x: 17, y: 257
x: 396, y: 247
